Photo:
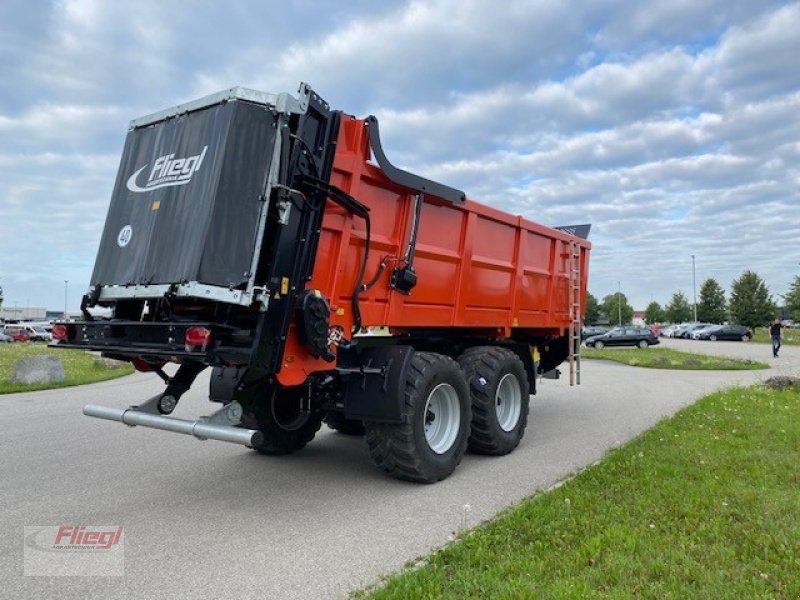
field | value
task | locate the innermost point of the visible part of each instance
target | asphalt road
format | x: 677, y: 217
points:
x: 215, y: 520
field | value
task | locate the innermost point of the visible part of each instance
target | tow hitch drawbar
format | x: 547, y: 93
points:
x: 221, y: 425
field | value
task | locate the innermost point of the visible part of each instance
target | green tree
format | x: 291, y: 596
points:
x: 711, y: 308
x: 592, y: 310
x: 751, y: 305
x: 793, y: 299
x: 653, y: 313
x: 678, y: 309
x: 613, y: 304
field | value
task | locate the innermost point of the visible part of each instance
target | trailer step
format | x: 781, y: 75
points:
x: 205, y: 428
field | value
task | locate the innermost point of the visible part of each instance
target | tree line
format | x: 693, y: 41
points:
x: 750, y: 304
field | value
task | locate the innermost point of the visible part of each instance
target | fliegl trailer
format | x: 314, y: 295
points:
x: 268, y: 238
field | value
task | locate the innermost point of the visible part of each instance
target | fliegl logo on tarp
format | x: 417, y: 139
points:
x: 167, y: 171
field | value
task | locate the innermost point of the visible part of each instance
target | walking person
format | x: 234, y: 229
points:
x: 775, y: 333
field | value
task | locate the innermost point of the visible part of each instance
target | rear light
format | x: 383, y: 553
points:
x: 60, y: 332
x: 197, y: 336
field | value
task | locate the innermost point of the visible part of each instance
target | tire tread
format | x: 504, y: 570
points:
x: 485, y: 361
x: 392, y: 446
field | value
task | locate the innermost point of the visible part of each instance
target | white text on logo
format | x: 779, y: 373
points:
x: 168, y: 171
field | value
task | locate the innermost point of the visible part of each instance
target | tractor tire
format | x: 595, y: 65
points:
x: 285, y: 427
x: 430, y: 441
x: 498, y: 387
x: 337, y: 422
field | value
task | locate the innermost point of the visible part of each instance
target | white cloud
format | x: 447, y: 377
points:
x: 671, y: 125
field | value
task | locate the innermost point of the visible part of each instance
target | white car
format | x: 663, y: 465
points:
x: 696, y: 333
x: 668, y: 331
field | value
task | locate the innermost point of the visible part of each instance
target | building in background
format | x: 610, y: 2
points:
x: 24, y: 313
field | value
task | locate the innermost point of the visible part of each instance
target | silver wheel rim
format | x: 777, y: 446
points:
x: 442, y: 418
x: 598, y: 345
x: 508, y: 402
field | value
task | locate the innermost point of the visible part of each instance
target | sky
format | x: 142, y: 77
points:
x: 672, y: 126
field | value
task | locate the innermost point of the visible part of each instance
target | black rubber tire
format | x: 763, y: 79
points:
x: 599, y: 345
x: 284, y: 427
x: 401, y: 449
x: 713, y: 338
x: 337, y: 422
x: 745, y: 338
x: 484, y: 368
x: 643, y: 344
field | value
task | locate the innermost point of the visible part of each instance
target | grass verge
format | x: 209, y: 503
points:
x: 704, y: 505
x: 790, y: 337
x: 666, y: 358
x: 79, y: 367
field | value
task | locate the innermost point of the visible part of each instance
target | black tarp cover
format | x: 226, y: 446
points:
x: 186, y: 203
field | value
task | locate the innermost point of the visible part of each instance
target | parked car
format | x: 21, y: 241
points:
x: 677, y: 330
x: 5, y: 339
x: 695, y: 333
x: 41, y: 334
x: 35, y: 333
x: 624, y: 336
x: 667, y: 331
x: 726, y: 332
x: 588, y: 332
x: 687, y: 332
x: 17, y: 333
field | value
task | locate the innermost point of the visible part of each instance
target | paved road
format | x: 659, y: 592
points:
x: 788, y: 359
x: 214, y: 520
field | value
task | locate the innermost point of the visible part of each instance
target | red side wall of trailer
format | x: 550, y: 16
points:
x: 478, y: 268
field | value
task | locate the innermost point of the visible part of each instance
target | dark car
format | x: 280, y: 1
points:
x: 624, y: 336
x: 588, y: 332
x: 726, y: 332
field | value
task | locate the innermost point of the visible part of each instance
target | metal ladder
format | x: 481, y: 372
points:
x: 575, y: 313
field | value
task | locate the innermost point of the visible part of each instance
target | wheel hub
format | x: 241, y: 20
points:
x: 508, y: 402
x: 442, y: 418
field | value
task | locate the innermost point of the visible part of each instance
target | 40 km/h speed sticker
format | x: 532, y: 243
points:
x: 125, y: 235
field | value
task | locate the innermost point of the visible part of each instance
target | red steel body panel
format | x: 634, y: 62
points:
x: 478, y: 268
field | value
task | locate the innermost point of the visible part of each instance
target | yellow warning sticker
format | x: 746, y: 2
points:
x: 535, y: 354
x: 284, y: 285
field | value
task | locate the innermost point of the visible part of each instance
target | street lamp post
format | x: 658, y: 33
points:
x: 619, y: 301
x: 66, y: 283
x: 694, y: 290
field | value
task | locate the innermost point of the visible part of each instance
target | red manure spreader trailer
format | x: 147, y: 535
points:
x: 268, y: 238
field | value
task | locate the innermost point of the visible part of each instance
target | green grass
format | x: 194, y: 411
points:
x: 791, y: 336
x: 704, y: 505
x: 79, y: 367
x: 666, y: 358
